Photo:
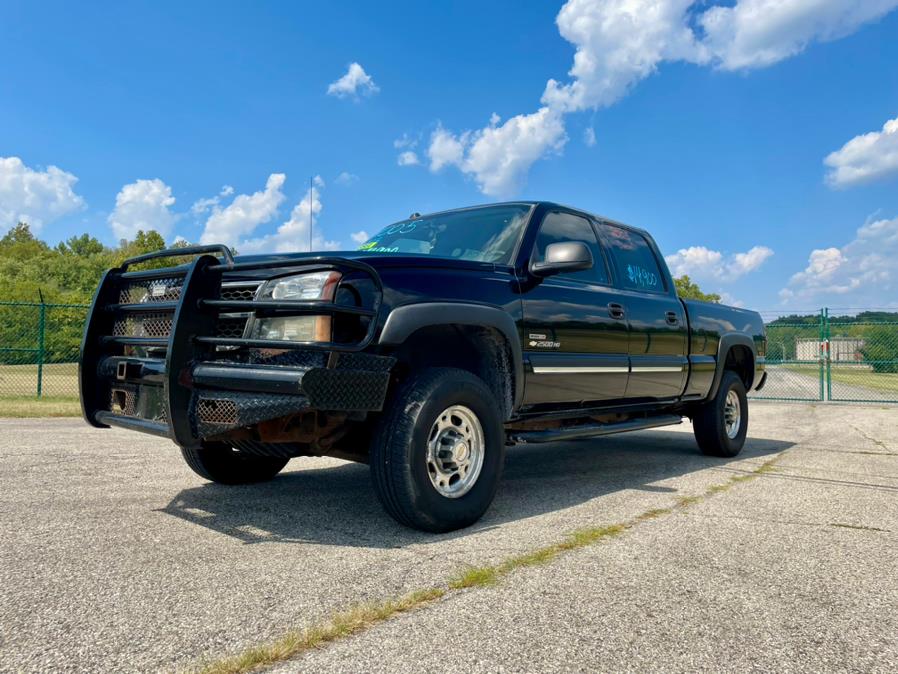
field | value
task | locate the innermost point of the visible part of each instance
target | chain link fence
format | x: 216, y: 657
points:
x: 851, y: 357
x: 814, y: 357
x: 39, y: 346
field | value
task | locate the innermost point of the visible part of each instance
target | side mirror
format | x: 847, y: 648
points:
x: 562, y: 257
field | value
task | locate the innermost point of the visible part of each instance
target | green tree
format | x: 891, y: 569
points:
x: 21, y: 243
x: 689, y: 290
x: 67, y: 273
x: 881, y: 348
x: 84, y: 245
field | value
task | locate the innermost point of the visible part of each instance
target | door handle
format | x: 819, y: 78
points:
x: 672, y: 318
x: 615, y: 310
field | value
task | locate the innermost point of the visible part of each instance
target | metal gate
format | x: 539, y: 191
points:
x: 795, y: 364
x: 825, y: 358
x: 861, y: 359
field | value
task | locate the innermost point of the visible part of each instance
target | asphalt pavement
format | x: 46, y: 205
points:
x: 115, y: 557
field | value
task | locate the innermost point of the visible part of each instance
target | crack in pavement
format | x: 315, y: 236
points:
x: 357, y: 619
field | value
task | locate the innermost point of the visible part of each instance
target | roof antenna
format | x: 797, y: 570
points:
x: 311, y: 209
x: 414, y: 216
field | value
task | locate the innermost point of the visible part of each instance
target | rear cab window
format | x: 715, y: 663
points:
x: 560, y: 227
x: 633, y: 259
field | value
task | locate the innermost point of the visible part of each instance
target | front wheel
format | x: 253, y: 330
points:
x: 220, y: 463
x: 721, y: 424
x: 437, y: 455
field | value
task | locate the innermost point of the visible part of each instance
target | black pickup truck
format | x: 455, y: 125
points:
x: 426, y: 352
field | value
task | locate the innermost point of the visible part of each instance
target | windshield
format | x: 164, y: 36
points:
x: 486, y: 234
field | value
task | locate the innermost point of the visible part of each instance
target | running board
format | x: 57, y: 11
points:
x: 133, y: 423
x: 591, y: 430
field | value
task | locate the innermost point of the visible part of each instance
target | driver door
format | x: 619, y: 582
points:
x: 575, y: 333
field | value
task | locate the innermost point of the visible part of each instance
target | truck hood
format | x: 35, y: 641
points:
x: 376, y: 260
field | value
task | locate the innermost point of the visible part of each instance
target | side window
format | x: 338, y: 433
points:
x: 633, y: 259
x: 561, y: 227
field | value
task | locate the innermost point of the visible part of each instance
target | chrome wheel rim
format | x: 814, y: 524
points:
x: 455, y: 449
x: 732, y: 414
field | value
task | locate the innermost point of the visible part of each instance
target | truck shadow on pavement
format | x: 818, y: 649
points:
x: 337, y: 505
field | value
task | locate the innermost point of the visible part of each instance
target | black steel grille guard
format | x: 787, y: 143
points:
x: 192, y: 340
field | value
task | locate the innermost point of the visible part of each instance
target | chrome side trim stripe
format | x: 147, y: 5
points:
x: 580, y: 370
x: 606, y: 369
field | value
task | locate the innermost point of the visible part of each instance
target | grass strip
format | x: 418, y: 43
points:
x: 479, y: 576
x: 338, y: 626
x: 364, y: 616
x: 23, y: 407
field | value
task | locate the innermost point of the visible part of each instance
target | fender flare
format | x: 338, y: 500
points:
x: 404, y: 320
x: 728, y: 341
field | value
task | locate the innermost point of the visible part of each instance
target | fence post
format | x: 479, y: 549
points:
x: 829, y: 356
x: 41, y: 327
x: 821, y: 355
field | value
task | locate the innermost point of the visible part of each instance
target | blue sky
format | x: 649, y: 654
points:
x: 711, y: 124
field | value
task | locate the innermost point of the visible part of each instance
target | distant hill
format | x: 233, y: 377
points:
x: 814, y: 319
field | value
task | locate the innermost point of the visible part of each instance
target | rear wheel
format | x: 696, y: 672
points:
x: 438, y: 452
x: 225, y: 465
x: 721, y: 424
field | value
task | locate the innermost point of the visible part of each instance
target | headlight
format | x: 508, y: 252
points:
x: 315, y: 286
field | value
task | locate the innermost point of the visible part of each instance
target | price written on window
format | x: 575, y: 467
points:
x: 641, y: 277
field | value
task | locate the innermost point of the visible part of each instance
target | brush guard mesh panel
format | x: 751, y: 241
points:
x: 149, y: 331
x: 217, y: 412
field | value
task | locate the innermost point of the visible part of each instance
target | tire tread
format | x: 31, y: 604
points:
x: 213, y: 464
x: 390, y: 456
x: 708, y: 424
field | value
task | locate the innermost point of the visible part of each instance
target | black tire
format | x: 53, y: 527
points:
x: 399, y: 451
x: 220, y: 463
x: 710, y: 426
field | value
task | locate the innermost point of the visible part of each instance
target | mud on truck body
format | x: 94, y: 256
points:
x: 425, y: 353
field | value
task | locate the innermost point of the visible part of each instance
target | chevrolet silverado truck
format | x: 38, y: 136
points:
x: 442, y: 340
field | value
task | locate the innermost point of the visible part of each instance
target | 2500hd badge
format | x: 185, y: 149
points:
x: 443, y: 340
x: 540, y: 342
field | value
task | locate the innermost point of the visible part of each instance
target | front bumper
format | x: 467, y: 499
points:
x: 162, y: 365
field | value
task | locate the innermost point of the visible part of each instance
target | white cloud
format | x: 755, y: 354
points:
x: 589, y: 137
x: 35, y: 197
x: 863, y: 272
x: 143, y: 205
x: 293, y: 235
x: 700, y: 262
x: 621, y: 42
x: 346, y: 179
x: 245, y: 213
x: 759, y: 33
x: 743, y: 263
x: 865, y: 158
x: 498, y: 157
x: 406, y: 141
x: 726, y: 298
x: 445, y: 149
x: 355, y: 83
x: 360, y: 237
x: 408, y: 158
x: 201, y: 206
x: 693, y: 259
